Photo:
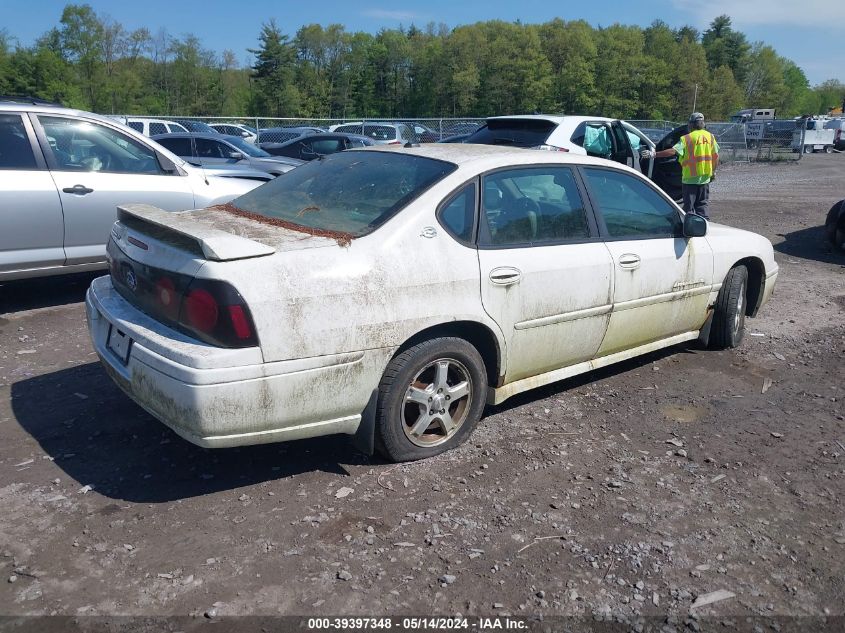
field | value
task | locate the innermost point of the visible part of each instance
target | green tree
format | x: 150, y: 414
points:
x: 80, y: 37
x: 276, y: 94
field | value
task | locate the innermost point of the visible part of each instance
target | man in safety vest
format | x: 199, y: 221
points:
x: 698, y: 153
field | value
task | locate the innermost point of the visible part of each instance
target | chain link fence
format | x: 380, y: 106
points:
x: 770, y: 140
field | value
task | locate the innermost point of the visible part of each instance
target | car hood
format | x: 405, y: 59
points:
x: 277, y: 161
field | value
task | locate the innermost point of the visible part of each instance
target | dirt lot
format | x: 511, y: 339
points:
x: 628, y: 492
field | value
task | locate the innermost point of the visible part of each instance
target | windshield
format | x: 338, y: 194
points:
x: 349, y: 192
x: 248, y: 148
x: 513, y: 132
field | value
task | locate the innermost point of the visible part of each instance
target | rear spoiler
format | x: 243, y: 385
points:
x: 216, y: 245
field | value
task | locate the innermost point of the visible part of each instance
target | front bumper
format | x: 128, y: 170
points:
x: 216, y: 397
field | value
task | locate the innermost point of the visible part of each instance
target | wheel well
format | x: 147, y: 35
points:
x: 756, y: 279
x: 478, y: 335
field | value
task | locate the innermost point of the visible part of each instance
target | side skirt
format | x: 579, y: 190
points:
x: 497, y: 395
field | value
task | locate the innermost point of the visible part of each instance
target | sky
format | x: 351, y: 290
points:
x: 809, y: 32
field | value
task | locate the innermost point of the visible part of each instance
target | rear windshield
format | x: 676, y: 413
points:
x: 349, y: 192
x: 513, y: 132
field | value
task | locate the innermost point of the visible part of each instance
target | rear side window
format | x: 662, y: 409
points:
x: 157, y: 128
x: 136, y: 125
x: 179, y: 146
x: 630, y: 207
x: 532, y: 206
x: 15, y: 148
x: 513, y: 132
x: 457, y: 215
x: 593, y: 137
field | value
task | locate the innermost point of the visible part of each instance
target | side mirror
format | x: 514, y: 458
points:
x: 694, y: 225
x: 307, y: 154
x: 236, y: 155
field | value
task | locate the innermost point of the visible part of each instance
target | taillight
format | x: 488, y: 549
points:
x: 213, y: 311
x: 201, y: 310
x: 395, y: 143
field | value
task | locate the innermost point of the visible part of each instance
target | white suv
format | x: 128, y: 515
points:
x: 62, y: 174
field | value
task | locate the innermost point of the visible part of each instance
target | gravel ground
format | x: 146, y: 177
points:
x: 634, y: 494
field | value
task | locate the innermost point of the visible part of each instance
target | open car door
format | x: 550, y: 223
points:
x: 667, y: 171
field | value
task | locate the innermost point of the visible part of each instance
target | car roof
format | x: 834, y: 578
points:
x: 553, y: 118
x: 469, y: 153
x: 203, y: 135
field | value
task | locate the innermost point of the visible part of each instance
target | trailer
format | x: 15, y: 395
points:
x: 810, y: 136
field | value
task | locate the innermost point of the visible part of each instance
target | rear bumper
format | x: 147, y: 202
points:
x: 217, y: 397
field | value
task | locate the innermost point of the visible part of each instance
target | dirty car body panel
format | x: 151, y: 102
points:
x: 518, y: 252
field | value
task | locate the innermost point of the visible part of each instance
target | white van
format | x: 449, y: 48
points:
x: 150, y: 127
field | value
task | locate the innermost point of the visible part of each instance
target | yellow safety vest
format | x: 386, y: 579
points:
x: 699, y: 150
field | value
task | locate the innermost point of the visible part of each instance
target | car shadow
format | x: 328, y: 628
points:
x: 42, y: 292
x: 99, y: 437
x: 810, y: 244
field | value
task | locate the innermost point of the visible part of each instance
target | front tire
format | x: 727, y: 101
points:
x: 834, y: 227
x: 729, y: 317
x: 430, y: 398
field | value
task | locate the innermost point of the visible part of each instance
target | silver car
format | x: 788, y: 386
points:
x: 221, y: 149
x: 62, y: 174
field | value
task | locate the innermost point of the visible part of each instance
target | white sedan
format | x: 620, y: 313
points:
x: 390, y: 293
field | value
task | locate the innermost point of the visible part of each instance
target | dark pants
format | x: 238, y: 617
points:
x: 696, y: 199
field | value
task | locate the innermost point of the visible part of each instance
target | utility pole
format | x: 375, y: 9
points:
x: 695, y: 98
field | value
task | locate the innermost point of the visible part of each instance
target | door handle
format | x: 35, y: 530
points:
x: 629, y: 261
x: 505, y: 276
x: 79, y: 190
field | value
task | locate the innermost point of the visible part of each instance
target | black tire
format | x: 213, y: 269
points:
x: 728, y: 326
x: 402, y: 431
x: 828, y: 149
x: 834, y: 227
x: 808, y: 149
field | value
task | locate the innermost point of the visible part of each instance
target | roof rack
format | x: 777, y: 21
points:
x: 28, y: 99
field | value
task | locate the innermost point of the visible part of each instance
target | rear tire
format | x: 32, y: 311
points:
x: 430, y: 398
x: 808, y: 149
x: 828, y: 149
x: 729, y: 317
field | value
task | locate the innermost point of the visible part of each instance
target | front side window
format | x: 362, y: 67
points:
x: 211, y: 149
x: 349, y: 192
x: 83, y: 146
x: 630, y: 207
x: 326, y: 146
x: 15, y: 148
x: 537, y: 205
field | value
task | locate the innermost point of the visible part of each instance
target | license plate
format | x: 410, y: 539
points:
x: 119, y: 343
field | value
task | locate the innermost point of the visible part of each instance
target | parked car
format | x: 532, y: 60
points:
x: 282, y: 134
x: 62, y: 174
x: 424, y: 134
x: 316, y: 145
x: 246, y: 132
x: 612, y: 139
x: 381, y: 133
x: 151, y: 127
x: 834, y: 226
x: 389, y: 293
x: 838, y: 125
x: 218, y: 149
